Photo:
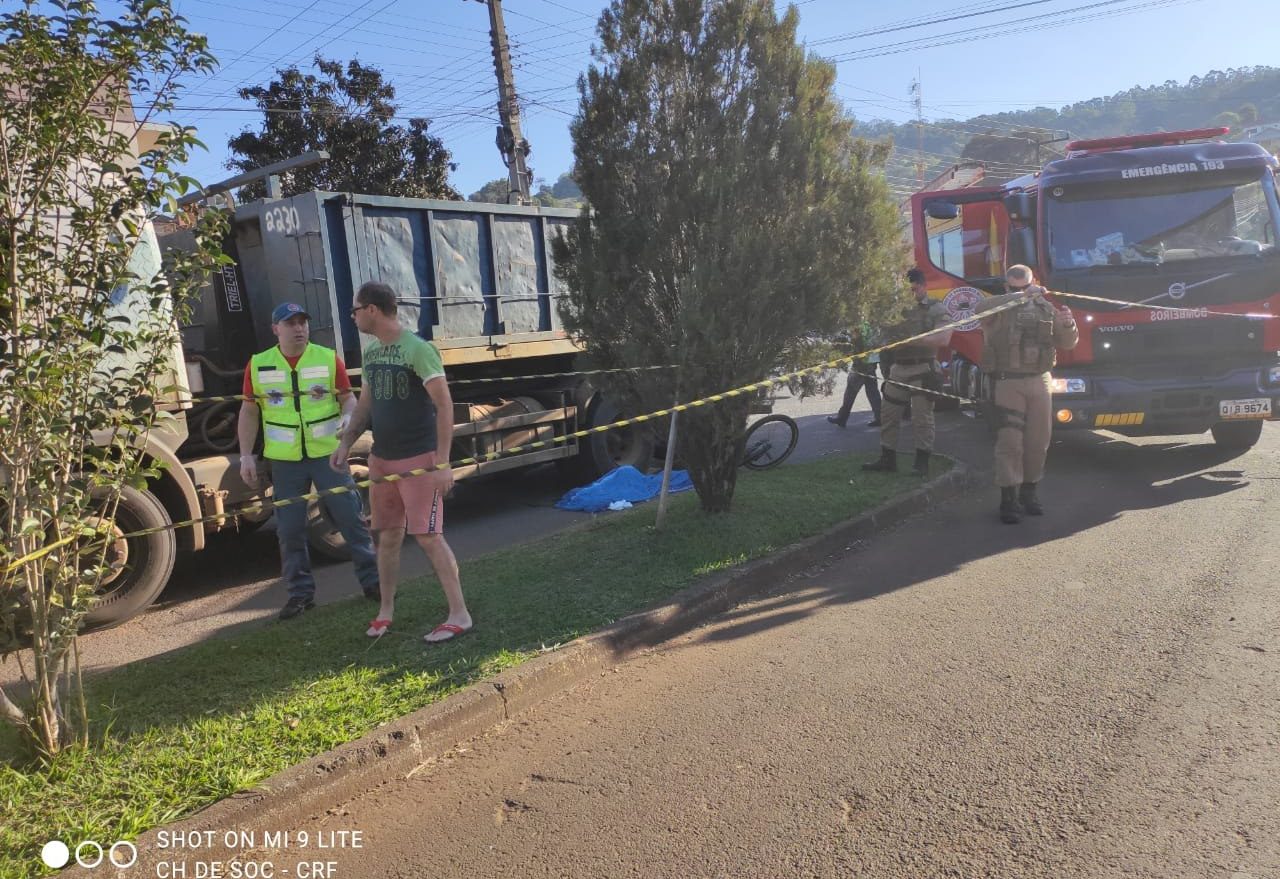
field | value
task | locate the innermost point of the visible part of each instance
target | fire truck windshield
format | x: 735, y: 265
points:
x: 1152, y: 222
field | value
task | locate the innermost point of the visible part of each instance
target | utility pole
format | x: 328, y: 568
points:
x: 917, y: 101
x: 511, y: 143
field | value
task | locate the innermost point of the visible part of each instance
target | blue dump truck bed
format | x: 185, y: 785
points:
x: 476, y: 279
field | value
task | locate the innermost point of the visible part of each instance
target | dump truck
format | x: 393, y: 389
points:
x: 475, y: 279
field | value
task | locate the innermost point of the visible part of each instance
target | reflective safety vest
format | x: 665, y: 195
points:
x: 299, y: 404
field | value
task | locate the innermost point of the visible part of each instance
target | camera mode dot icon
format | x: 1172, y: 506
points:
x: 55, y: 854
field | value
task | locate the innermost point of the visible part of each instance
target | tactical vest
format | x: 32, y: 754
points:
x: 916, y: 320
x: 299, y: 404
x: 1021, y: 340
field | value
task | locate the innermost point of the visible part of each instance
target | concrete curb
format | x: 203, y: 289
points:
x: 286, y: 800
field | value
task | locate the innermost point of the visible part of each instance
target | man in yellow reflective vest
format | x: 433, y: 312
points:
x: 301, y: 398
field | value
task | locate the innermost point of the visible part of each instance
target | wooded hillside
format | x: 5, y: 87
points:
x: 1236, y: 98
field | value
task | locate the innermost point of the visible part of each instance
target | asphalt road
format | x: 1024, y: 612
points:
x: 234, y: 582
x: 1091, y: 694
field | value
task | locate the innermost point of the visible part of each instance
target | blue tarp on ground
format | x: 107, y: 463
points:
x: 623, y: 484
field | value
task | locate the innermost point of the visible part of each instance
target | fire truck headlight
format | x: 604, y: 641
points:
x: 1273, y: 375
x: 1070, y: 386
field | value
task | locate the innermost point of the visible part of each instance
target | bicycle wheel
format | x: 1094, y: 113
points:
x: 769, y: 441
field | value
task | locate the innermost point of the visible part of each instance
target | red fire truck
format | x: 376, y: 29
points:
x: 1179, y: 219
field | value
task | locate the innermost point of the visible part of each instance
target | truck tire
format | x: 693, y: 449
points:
x: 602, y: 452
x: 323, y: 535
x: 142, y: 564
x: 1236, y: 434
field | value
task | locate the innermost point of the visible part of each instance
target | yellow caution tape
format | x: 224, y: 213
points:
x: 453, y: 383
x: 1195, y: 311
x: 44, y: 551
x: 922, y: 391
x: 514, y: 450
x: 232, y: 398
x: 624, y: 422
x: 518, y: 378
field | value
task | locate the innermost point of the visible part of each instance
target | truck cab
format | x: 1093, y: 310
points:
x: 1176, y: 220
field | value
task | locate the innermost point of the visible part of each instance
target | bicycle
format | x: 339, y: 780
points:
x: 770, y: 441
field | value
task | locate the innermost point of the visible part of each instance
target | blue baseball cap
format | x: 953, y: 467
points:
x: 286, y: 310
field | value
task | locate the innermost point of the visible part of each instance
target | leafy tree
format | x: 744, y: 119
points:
x: 350, y: 112
x: 1010, y: 153
x: 493, y: 192
x: 732, y: 211
x: 566, y: 188
x: 1251, y: 93
x: 87, y: 317
x: 544, y: 197
x: 564, y: 193
x: 1228, y: 118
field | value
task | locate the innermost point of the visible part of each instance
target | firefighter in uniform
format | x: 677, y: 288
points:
x: 1019, y: 348
x: 914, y: 372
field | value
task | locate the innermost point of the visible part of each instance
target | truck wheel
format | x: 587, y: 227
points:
x: 140, y: 565
x: 602, y: 452
x: 1236, y: 434
x: 972, y: 381
x: 323, y: 535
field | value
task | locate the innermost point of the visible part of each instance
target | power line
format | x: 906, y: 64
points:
x: 933, y: 107
x: 569, y: 9
x: 989, y: 29
x: 915, y: 23
x: 549, y: 24
x: 994, y: 164
x: 362, y: 5
x: 972, y: 34
x: 222, y: 69
x: 401, y: 28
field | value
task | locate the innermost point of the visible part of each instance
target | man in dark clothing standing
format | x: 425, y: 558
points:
x: 862, y: 374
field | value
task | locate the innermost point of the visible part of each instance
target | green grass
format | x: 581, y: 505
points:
x: 174, y: 734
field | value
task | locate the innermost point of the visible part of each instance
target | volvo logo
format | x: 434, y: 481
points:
x: 1178, y: 289
x: 1117, y: 328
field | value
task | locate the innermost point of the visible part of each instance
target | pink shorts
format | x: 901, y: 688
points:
x: 409, y: 503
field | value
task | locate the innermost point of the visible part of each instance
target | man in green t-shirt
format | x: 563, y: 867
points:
x: 405, y: 397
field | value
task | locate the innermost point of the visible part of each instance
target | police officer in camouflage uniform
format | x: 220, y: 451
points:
x: 1019, y: 348
x: 914, y: 372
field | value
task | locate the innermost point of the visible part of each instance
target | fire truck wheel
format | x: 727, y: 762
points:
x: 1236, y: 434
x: 323, y: 535
x: 140, y: 566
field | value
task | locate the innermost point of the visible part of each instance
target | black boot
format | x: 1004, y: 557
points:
x: 1030, y: 503
x: 888, y: 462
x: 1010, y: 512
x: 836, y: 420
x: 921, y: 467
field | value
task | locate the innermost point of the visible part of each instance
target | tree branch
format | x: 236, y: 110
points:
x: 11, y: 712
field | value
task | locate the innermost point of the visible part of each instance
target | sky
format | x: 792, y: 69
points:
x: 991, y: 56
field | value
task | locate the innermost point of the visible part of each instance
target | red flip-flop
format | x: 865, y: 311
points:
x: 454, y: 631
x: 378, y: 628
